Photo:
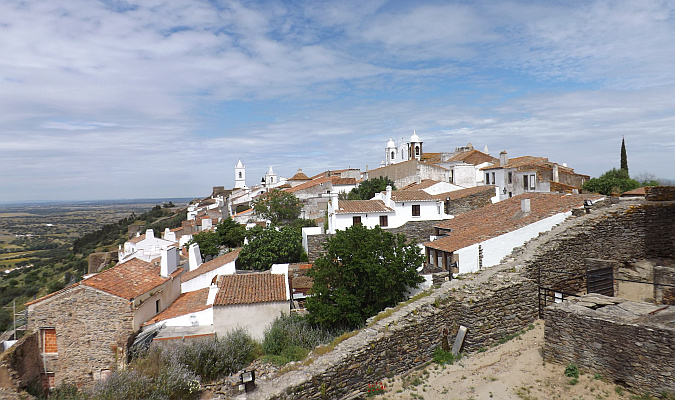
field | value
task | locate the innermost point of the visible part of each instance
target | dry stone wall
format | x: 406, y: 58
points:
x: 637, y: 352
x: 491, y: 305
x: 468, y: 203
x: 19, y: 364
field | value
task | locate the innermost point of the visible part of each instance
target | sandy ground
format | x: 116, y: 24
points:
x: 513, y: 370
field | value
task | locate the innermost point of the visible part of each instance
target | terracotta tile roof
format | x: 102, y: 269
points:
x: 250, y: 289
x: 309, y: 184
x: 458, y: 194
x: 333, y: 172
x: 411, y: 195
x: 211, y: 265
x: 414, y: 160
x: 424, y: 184
x: 474, y: 157
x: 362, y: 206
x: 433, y: 158
x: 137, y: 239
x: 186, y: 303
x: 129, y: 279
x: 635, y: 192
x: 299, y: 176
x: 520, y: 162
x: 505, y: 216
x: 244, y: 212
x: 336, y: 180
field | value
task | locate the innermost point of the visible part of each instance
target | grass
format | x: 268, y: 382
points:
x: 386, y: 313
x: 572, y: 371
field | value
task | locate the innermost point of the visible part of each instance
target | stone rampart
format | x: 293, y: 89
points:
x: 468, y: 203
x: 21, y: 363
x: 629, y: 342
x: 491, y: 305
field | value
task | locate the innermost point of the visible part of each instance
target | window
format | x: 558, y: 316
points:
x: 49, y: 340
x: 384, y: 220
x: 392, y: 155
x: 525, y: 185
x: 157, y: 306
x: 510, y: 194
x: 510, y: 177
x: 240, y: 175
x: 417, y: 150
x: 494, y: 181
x: 487, y: 178
x: 416, y: 210
x: 532, y: 182
x: 356, y: 220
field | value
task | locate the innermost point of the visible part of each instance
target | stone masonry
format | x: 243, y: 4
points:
x: 638, y: 353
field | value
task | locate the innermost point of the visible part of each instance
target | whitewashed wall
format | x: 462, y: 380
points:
x: 204, y: 280
x: 252, y: 317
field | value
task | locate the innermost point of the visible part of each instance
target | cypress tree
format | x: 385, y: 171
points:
x: 624, y: 157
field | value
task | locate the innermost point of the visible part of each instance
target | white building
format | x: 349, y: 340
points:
x: 144, y: 247
x: 404, y: 151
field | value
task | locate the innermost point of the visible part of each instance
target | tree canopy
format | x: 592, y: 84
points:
x: 280, y: 207
x: 367, y: 189
x: 612, y: 181
x: 624, y: 156
x: 267, y: 246
x: 208, y: 241
x: 230, y: 233
x: 362, y: 272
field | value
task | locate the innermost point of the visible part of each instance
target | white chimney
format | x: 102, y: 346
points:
x: 169, y: 261
x: 149, y: 234
x: 170, y: 236
x: 194, y: 257
x: 335, y: 201
x: 525, y: 205
x: 503, y: 158
x: 213, y: 291
x: 387, y: 196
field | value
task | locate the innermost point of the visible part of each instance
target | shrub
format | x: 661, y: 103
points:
x: 293, y: 331
x: 443, y: 357
x: 123, y: 385
x: 572, y: 371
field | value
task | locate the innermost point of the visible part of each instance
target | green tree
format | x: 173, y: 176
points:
x: 612, y: 181
x: 267, y: 246
x: 362, y: 272
x: 278, y: 206
x: 209, y: 243
x: 367, y: 189
x: 230, y: 233
x: 624, y: 157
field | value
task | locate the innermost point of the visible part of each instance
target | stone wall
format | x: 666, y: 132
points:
x: 629, y: 342
x: 625, y: 232
x: 492, y: 305
x: 98, y: 261
x: 21, y: 363
x: 664, y: 275
x: 468, y: 203
x: 660, y: 193
x: 92, y: 329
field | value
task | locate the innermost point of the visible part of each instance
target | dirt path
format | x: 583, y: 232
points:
x: 513, y: 370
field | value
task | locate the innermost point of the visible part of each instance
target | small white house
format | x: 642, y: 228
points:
x: 144, y: 247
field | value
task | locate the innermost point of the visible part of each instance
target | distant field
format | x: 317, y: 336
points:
x: 20, y: 253
x: 10, y: 263
x: 16, y: 214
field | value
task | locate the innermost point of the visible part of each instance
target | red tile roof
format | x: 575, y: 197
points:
x: 474, y: 157
x: 186, y: 303
x: 432, y: 158
x: 505, y: 216
x: 299, y: 176
x: 129, y: 279
x: 411, y: 195
x: 250, y: 289
x: 362, y: 206
x: 336, y: 180
x: 458, y: 194
x: 137, y: 239
x: 211, y: 265
x: 424, y: 184
x: 308, y: 184
x: 635, y: 192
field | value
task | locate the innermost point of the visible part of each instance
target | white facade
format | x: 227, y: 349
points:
x: 252, y: 317
x: 495, y: 249
x: 147, y: 249
x: 239, y: 175
x: 204, y: 280
x: 405, y: 151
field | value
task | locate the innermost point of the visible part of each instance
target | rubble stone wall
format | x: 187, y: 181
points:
x: 634, y: 352
x: 468, y: 203
x: 21, y: 363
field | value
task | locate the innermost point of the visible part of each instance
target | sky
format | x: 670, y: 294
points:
x: 146, y: 99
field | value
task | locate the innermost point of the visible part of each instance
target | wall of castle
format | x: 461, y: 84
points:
x: 637, y: 353
x: 21, y: 363
x: 92, y: 328
x: 468, y: 203
x: 491, y: 306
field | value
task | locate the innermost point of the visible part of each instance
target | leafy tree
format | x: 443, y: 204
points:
x: 612, y: 181
x: 362, y: 272
x: 624, y: 157
x: 230, y: 233
x: 267, y: 246
x: 278, y: 206
x: 209, y: 243
x: 367, y: 189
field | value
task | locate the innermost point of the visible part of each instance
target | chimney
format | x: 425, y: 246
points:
x: 503, y: 158
x: 213, y: 291
x: 194, y: 257
x: 169, y: 261
x: 387, y: 196
x: 556, y: 173
x: 149, y: 234
x: 525, y: 205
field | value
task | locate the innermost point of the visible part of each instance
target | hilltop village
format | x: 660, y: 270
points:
x: 466, y: 210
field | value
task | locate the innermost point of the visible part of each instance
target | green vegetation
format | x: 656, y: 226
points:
x: 612, y: 181
x: 281, y: 208
x: 572, y: 371
x: 267, y: 246
x: 362, y: 272
x: 291, y: 338
x: 443, y: 357
x: 624, y: 157
x: 367, y: 189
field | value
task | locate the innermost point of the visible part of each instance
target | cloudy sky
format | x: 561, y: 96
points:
x: 136, y: 99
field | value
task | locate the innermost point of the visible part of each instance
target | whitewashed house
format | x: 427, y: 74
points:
x: 144, y: 247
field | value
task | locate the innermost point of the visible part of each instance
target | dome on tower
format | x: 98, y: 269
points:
x: 414, y: 137
x: 391, y: 143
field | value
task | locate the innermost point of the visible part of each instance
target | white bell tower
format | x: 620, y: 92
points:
x: 390, y: 153
x: 415, y: 148
x: 239, y: 175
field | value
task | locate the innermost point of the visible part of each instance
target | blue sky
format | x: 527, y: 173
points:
x: 123, y: 99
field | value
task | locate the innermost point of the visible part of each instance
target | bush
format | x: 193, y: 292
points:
x: 572, y: 371
x: 123, y: 385
x: 443, y: 357
x: 293, y: 331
